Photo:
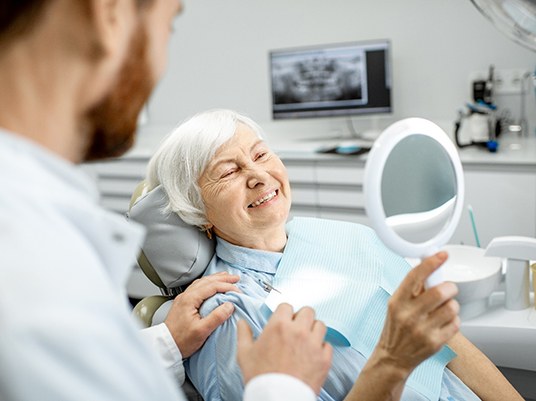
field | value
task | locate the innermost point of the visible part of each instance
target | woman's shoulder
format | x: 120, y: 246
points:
x: 243, y: 303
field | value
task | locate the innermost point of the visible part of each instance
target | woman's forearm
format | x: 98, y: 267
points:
x: 379, y: 380
x: 479, y: 373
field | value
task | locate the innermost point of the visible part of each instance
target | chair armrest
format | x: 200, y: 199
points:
x: 146, y: 308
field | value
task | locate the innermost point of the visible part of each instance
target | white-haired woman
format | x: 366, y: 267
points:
x: 221, y: 176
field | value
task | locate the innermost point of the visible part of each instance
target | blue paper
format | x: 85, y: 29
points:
x: 347, y: 275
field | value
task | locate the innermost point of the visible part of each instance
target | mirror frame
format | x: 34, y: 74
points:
x: 372, y: 188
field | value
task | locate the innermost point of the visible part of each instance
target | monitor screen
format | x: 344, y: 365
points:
x: 331, y: 80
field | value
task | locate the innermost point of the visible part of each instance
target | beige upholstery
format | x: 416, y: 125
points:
x: 147, y: 307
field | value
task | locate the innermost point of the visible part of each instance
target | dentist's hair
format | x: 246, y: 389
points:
x: 20, y: 17
x: 184, y: 155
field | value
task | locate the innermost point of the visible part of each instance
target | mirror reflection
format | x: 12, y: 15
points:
x: 418, y: 164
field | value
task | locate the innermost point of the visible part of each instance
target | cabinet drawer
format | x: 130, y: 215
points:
x: 300, y: 173
x: 303, y: 195
x: 117, y: 186
x: 122, y: 168
x: 342, y: 197
x: 340, y: 174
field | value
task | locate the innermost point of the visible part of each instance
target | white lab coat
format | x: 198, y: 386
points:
x: 66, y: 331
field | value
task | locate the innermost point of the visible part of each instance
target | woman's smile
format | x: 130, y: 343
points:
x: 265, y: 200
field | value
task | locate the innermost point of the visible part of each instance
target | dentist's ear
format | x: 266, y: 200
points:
x: 113, y: 23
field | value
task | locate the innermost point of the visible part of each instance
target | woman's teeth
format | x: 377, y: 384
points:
x: 265, y: 199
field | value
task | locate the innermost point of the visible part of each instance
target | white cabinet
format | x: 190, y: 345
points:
x: 327, y: 186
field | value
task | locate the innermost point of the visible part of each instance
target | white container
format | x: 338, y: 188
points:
x: 476, y: 276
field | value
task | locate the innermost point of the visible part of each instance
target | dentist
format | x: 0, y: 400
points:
x: 74, y: 76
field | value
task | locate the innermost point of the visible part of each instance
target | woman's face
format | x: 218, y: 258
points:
x: 246, y: 191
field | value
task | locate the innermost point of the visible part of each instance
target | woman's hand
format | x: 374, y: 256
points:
x: 419, y: 321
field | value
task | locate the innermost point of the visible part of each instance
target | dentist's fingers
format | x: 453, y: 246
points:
x: 214, y: 319
x: 289, y: 344
x: 187, y: 327
x: 283, y: 312
x: 217, y: 278
x: 319, y: 330
x: 205, y: 287
x: 306, y: 316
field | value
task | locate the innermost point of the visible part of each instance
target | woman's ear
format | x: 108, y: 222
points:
x: 208, y: 230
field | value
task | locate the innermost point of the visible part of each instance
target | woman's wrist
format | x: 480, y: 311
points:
x: 390, y: 367
x: 382, y: 378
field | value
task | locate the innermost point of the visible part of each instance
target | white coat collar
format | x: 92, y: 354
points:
x: 75, y: 196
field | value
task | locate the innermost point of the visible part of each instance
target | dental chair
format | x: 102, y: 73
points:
x: 173, y: 255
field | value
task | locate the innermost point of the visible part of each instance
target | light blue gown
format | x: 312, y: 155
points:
x: 214, y: 370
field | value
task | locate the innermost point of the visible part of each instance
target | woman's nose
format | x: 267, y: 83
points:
x: 257, y: 176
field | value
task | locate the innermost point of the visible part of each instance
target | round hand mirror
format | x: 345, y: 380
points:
x: 414, y: 189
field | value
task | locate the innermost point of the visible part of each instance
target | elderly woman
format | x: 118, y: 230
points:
x: 221, y: 176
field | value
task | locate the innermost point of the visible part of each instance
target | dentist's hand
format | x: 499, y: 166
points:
x: 290, y: 343
x: 419, y: 321
x: 188, y: 328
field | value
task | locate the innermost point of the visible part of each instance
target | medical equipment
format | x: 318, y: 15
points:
x: 515, y: 18
x: 414, y: 156
x: 517, y: 251
x: 331, y: 80
x: 480, y: 124
x: 477, y: 276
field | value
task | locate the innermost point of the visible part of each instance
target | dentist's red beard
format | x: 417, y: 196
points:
x: 111, y: 124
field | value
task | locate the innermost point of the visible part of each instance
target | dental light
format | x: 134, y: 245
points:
x: 515, y: 18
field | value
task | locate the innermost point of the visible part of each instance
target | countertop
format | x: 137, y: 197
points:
x: 512, y: 151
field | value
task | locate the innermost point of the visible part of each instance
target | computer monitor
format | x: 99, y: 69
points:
x: 331, y: 80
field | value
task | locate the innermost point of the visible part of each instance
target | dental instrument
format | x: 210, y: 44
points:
x: 472, y: 217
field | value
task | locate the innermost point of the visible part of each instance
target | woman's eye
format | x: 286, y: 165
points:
x: 260, y: 155
x: 228, y: 173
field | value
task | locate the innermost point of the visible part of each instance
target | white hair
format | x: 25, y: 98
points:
x: 184, y: 155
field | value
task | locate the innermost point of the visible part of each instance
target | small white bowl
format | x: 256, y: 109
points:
x: 476, y: 276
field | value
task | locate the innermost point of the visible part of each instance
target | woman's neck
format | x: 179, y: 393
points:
x: 273, y: 240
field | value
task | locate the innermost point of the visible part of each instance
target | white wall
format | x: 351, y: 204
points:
x: 219, y: 56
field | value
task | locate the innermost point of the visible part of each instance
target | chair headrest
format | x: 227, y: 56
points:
x: 174, y: 253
